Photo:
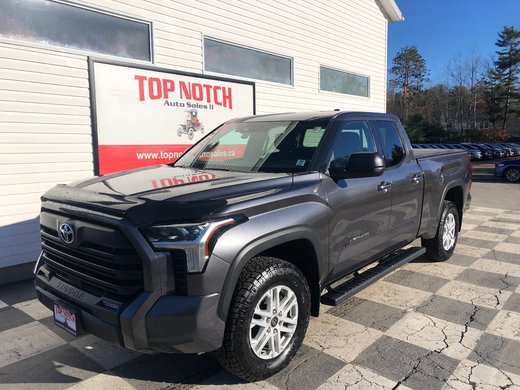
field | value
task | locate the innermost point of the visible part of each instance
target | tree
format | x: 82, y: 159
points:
x: 474, y: 79
x: 493, y: 96
x: 408, y: 73
x: 464, y: 74
x: 503, y: 90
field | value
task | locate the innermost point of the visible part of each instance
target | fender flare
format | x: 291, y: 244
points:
x: 452, y: 184
x: 256, y: 247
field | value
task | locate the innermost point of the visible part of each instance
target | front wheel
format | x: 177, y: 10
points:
x: 267, y: 320
x: 512, y: 175
x: 442, y: 246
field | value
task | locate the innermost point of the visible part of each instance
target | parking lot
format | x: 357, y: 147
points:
x: 454, y: 325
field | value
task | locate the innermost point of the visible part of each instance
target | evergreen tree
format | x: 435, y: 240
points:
x: 493, y: 96
x: 502, y: 84
x: 409, y: 73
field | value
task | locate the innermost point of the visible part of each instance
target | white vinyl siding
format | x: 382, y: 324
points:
x: 45, y: 138
x: 45, y: 125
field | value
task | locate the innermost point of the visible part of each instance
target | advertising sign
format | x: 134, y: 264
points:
x: 147, y: 116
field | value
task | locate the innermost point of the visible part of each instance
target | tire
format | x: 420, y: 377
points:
x: 179, y: 132
x: 442, y: 246
x: 512, y: 175
x: 260, y: 277
x: 190, y: 133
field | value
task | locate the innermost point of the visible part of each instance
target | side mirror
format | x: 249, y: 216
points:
x: 362, y: 164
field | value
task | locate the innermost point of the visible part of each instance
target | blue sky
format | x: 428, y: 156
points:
x: 443, y: 28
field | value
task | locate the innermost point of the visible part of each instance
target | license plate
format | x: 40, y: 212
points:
x: 66, y: 318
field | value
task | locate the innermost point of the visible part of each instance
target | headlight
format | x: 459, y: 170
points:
x: 174, y: 233
x: 197, y: 240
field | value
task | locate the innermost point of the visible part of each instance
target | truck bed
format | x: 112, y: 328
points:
x: 429, y: 153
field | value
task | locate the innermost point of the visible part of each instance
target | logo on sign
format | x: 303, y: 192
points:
x: 66, y: 233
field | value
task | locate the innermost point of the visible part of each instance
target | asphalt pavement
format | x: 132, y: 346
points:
x: 500, y: 195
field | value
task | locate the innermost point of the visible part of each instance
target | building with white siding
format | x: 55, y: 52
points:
x: 300, y: 54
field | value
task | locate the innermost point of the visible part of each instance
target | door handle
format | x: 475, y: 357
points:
x: 384, y: 187
x: 416, y: 178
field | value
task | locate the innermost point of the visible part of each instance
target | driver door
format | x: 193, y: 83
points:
x: 360, y: 208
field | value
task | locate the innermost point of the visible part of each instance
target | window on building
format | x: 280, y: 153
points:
x: 393, y: 148
x: 343, y: 82
x: 221, y: 57
x: 66, y: 25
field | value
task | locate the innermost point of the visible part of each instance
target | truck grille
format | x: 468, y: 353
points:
x: 100, y: 261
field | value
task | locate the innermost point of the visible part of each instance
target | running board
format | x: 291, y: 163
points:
x: 337, y: 295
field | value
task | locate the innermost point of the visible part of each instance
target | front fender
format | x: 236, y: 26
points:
x: 307, y: 221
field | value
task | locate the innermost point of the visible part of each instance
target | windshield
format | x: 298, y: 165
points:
x: 257, y: 147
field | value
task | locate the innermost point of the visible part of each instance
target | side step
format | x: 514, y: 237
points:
x: 352, y: 286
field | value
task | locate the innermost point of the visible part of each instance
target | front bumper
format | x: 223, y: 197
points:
x: 173, y: 323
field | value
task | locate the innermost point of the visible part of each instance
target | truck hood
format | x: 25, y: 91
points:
x: 163, y: 193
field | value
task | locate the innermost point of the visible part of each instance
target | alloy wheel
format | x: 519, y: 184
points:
x: 448, y: 235
x: 513, y: 174
x: 274, y: 322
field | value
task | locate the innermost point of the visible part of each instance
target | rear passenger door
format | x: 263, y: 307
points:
x: 406, y: 183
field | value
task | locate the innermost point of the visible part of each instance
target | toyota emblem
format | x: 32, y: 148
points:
x: 66, y: 233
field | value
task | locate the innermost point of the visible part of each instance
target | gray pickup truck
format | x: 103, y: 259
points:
x: 234, y: 246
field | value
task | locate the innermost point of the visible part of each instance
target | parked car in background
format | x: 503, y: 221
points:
x: 502, y: 150
x: 488, y: 153
x: 480, y: 151
x: 509, y: 170
x: 514, y: 147
x: 476, y: 153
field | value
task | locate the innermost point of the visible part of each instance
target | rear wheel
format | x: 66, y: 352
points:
x: 442, y: 246
x: 267, y: 319
x: 512, y: 175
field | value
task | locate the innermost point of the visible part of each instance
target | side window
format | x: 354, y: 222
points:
x: 353, y: 136
x: 393, y: 148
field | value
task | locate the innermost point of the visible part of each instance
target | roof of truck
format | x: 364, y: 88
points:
x: 308, y: 115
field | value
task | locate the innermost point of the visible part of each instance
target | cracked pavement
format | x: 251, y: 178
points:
x: 452, y: 325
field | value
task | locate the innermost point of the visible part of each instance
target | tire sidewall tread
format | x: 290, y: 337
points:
x: 505, y: 175
x: 434, y: 248
x: 259, y: 275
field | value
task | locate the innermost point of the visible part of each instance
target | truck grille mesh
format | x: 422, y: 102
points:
x: 101, y: 261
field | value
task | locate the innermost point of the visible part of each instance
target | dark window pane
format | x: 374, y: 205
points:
x: 222, y: 57
x: 73, y: 27
x: 353, y: 137
x: 336, y: 81
x: 393, y: 148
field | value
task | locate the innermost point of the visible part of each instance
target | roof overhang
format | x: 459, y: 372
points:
x: 391, y: 10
